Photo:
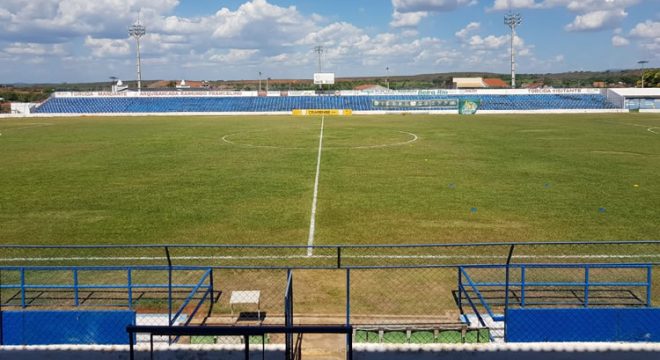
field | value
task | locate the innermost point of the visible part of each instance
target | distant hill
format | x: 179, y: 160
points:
x: 627, y: 78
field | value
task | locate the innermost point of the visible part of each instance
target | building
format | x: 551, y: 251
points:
x: 479, y: 83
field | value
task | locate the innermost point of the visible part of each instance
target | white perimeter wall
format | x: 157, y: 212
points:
x: 546, y: 351
x: 430, y: 92
x: 285, y: 113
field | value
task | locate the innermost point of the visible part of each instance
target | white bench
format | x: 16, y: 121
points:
x: 246, y: 297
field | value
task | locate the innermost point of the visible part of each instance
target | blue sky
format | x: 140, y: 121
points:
x: 86, y: 40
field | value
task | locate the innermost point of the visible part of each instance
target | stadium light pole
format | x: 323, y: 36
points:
x: 512, y: 21
x: 387, y: 79
x: 319, y: 50
x: 642, y: 63
x: 259, y: 81
x: 137, y: 31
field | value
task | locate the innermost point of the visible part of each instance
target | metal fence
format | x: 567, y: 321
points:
x: 450, y: 293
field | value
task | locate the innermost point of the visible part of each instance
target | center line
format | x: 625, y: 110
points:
x: 312, y: 221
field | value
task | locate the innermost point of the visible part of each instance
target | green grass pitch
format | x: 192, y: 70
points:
x: 383, y: 179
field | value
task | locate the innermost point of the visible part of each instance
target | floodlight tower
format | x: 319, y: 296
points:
x: 319, y: 50
x: 137, y: 31
x: 512, y: 21
x: 642, y: 63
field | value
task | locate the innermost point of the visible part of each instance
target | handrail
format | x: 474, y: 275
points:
x: 476, y: 290
x: 245, y: 331
x: 191, y: 295
x: 75, y: 285
x: 474, y: 307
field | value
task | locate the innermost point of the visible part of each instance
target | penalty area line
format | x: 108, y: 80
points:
x: 312, y: 221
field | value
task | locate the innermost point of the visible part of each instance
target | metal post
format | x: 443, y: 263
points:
x: 212, y: 292
x: 169, y: 285
x: 76, y: 302
x: 506, y: 288
x: 586, y: 286
x: 348, y: 297
x: 1, y: 335
x: 23, y: 305
x: 349, y: 346
x: 523, y: 272
x: 338, y: 257
x: 288, y: 338
x: 247, y: 346
x: 648, y: 286
x: 130, y: 289
x: 460, y: 292
x: 130, y: 346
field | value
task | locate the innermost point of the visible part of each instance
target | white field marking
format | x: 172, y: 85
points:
x: 28, y: 126
x: 312, y: 221
x: 273, y: 257
x: 649, y: 129
x: 413, y: 138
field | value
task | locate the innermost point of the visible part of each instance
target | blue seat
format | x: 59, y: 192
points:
x: 97, y: 105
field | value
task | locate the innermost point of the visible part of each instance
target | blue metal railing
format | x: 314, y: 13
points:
x: 23, y: 286
x: 587, y: 284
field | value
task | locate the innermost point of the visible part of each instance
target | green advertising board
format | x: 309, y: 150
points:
x: 448, y: 104
x: 468, y: 106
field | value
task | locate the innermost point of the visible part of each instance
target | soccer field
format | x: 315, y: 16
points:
x: 381, y: 179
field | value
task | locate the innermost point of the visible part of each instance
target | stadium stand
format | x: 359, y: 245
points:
x: 97, y: 105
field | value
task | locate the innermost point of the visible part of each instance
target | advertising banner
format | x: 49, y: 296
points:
x: 468, y: 106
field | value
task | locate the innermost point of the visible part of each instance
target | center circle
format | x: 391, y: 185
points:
x: 308, y: 139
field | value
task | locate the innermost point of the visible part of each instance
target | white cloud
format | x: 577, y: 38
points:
x: 409, y: 13
x: 409, y: 19
x: 464, y: 32
x: 648, y: 29
x: 590, y: 5
x: 489, y: 42
x: 34, y: 49
x: 619, y: 41
x: 514, y: 4
x: 597, y: 20
x: 405, y: 6
x: 593, y: 15
x: 234, y: 56
x: 260, y: 22
x: 54, y: 20
x: 648, y: 36
x: 107, y: 47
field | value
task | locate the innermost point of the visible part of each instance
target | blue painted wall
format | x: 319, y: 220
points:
x: 66, y: 327
x: 599, y: 325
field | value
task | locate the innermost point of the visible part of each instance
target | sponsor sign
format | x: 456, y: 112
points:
x: 324, y: 112
x: 416, y: 104
x: 324, y: 78
x: 468, y: 106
